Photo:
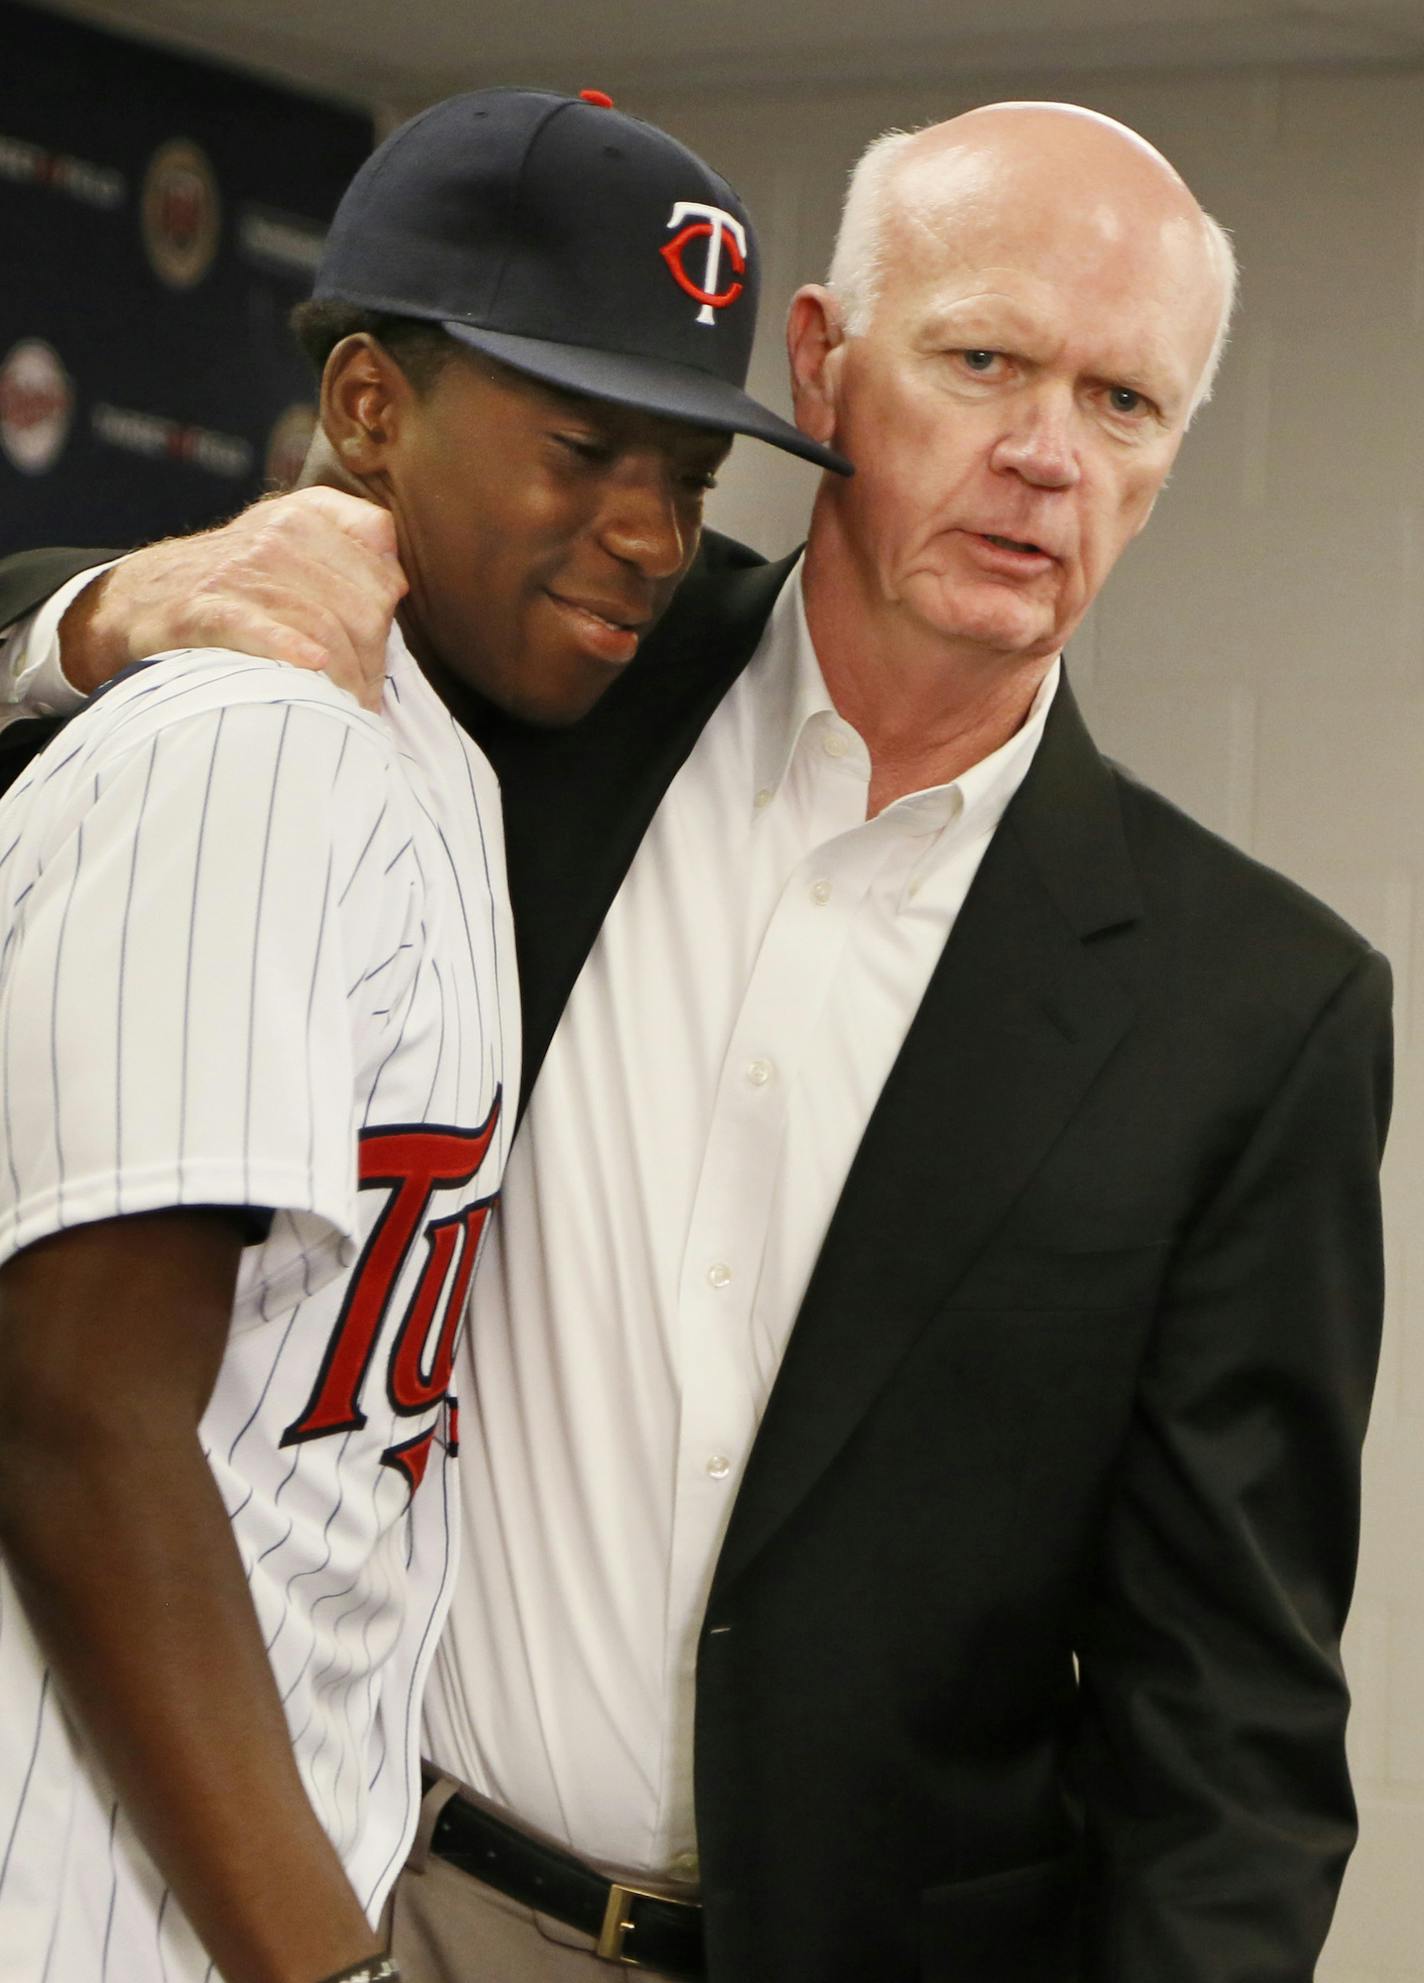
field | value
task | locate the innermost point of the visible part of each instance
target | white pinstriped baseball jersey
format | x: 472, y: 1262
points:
x: 257, y: 952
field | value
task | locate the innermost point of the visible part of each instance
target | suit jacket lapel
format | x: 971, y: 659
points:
x: 1018, y: 1017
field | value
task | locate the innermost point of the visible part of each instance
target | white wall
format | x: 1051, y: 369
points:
x: 1259, y: 656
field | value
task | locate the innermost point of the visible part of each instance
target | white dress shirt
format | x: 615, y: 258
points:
x: 685, y: 1147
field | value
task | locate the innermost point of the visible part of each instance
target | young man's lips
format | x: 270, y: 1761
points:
x: 606, y: 629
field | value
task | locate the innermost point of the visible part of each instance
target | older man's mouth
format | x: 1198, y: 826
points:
x: 1014, y: 556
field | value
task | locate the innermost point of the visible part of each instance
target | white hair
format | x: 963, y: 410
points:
x: 862, y: 253
x: 1228, y: 274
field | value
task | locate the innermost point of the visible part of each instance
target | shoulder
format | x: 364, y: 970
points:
x: 195, y: 682
x: 158, y: 709
x: 1225, y: 921
x: 209, y: 742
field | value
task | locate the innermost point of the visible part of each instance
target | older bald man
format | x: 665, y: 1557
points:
x: 929, y: 1342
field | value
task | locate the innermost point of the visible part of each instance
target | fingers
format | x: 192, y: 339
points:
x: 351, y: 640
x: 311, y: 578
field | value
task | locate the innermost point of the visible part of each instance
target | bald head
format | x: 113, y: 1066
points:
x: 1087, y: 186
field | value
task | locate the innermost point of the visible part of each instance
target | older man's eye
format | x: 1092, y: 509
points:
x: 979, y: 361
x: 1123, y: 399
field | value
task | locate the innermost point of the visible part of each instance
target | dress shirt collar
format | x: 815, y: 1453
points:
x: 789, y: 691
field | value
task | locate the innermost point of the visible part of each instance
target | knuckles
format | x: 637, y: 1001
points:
x: 317, y: 564
x: 370, y: 625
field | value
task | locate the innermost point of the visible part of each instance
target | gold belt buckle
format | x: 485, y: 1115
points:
x: 617, y: 1921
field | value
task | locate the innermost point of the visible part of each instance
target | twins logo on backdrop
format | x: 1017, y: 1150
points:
x: 410, y: 1163
x: 722, y: 232
x: 181, y: 212
x: 36, y: 406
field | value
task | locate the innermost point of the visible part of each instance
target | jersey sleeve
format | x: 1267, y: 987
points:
x: 195, y: 901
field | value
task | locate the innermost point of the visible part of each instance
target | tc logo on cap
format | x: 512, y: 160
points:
x: 718, y: 229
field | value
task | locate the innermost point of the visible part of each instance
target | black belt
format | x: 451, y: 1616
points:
x: 645, y: 1930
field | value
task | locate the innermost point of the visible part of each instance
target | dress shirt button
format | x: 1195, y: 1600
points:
x: 835, y: 743
x: 719, y: 1274
x: 820, y: 893
x: 759, y: 1072
x: 718, y: 1467
x: 686, y: 1866
x: 762, y: 799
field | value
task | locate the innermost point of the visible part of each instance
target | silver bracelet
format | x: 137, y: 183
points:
x: 374, y: 1969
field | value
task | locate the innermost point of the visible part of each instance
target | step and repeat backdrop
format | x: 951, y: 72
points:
x: 158, y: 219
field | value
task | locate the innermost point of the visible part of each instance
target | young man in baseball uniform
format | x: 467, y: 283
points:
x: 259, y: 1052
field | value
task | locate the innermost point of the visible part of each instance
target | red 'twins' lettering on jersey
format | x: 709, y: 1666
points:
x: 412, y: 1163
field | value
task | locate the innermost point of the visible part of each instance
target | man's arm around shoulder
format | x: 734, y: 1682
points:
x: 311, y: 578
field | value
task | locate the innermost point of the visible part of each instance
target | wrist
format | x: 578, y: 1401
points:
x: 89, y: 650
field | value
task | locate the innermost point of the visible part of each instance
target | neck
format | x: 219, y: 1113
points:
x: 928, y: 708
x: 324, y: 469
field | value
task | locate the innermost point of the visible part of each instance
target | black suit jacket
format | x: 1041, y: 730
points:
x: 1021, y: 1661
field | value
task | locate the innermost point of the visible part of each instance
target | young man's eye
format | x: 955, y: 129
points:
x: 587, y: 447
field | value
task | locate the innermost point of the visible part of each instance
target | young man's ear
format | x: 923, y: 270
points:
x: 364, y: 395
x: 815, y: 348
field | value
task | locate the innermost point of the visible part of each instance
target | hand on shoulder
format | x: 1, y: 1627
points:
x: 309, y: 578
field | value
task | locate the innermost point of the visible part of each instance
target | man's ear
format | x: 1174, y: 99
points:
x: 815, y: 349
x: 364, y: 398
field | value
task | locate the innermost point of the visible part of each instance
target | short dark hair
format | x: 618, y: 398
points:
x: 421, y: 349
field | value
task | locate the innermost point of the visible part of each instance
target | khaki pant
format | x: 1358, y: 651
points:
x: 446, y: 1927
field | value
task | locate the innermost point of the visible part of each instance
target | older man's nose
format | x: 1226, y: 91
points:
x: 1041, y: 443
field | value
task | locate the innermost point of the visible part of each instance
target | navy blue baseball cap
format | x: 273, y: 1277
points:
x: 572, y: 243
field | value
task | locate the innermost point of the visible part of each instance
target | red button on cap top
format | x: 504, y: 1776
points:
x: 603, y: 101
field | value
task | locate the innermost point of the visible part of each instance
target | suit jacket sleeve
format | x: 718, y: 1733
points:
x: 1211, y: 1765
x: 28, y: 578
